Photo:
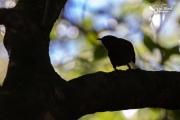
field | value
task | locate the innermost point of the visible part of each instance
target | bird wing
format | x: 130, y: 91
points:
x: 134, y: 58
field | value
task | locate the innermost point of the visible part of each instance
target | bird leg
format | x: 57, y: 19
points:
x: 114, y: 68
x: 129, y: 66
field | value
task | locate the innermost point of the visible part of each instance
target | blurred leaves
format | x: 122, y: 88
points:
x: 100, y: 52
x: 149, y: 43
x: 174, y: 114
x: 92, y: 38
x: 3, y: 69
x: 87, y: 24
x: 168, y: 52
x: 150, y: 114
x: 174, y: 50
x: 104, y: 116
x: 151, y: 1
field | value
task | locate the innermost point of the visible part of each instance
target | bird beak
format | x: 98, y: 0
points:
x: 99, y: 39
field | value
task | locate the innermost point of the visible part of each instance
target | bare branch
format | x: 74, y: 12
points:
x: 120, y: 90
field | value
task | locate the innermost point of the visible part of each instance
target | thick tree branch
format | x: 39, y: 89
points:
x: 43, y: 13
x: 120, y: 90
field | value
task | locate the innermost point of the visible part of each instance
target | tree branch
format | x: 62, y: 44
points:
x: 120, y: 90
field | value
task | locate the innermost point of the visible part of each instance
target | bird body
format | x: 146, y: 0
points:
x: 120, y: 51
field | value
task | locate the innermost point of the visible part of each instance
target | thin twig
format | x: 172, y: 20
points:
x: 46, y: 13
x: 56, y: 14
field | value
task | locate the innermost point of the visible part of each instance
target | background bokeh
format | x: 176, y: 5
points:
x: 152, y: 26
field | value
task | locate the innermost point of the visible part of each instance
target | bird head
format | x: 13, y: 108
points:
x: 107, y: 39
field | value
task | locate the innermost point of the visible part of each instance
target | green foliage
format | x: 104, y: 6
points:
x: 151, y: 1
x: 87, y: 24
x: 174, y: 114
x: 92, y: 38
x: 149, y: 43
x: 150, y: 114
x: 99, y: 52
x: 168, y: 52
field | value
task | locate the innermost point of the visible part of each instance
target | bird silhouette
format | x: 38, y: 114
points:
x: 120, y: 51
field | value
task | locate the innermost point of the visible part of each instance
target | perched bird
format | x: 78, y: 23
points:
x: 120, y: 51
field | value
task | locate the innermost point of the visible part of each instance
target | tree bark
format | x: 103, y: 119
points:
x: 32, y: 90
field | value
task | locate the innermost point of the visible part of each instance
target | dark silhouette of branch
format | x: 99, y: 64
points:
x: 120, y: 90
